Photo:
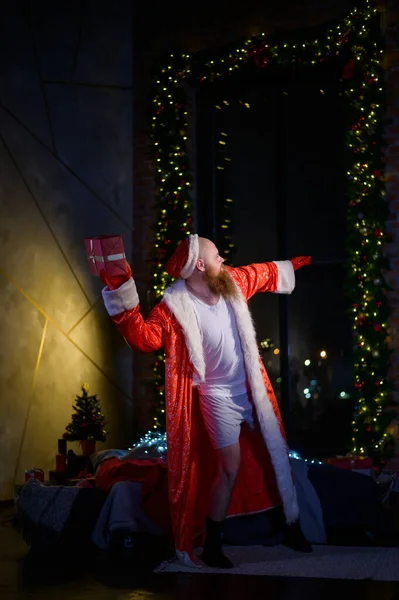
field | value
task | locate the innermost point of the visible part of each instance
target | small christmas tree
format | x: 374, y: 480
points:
x: 88, y: 422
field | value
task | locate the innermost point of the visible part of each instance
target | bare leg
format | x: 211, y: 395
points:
x: 222, y: 488
x: 229, y: 462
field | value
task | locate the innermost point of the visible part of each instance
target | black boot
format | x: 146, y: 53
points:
x: 213, y: 554
x: 295, y: 539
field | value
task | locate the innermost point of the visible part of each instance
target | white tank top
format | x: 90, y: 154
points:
x: 224, y: 361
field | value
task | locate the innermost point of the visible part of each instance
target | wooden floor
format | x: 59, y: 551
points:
x: 21, y: 578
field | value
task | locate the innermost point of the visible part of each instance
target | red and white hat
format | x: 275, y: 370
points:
x: 183, y: 260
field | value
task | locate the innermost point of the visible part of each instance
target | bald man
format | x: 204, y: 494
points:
x: 227, y: 452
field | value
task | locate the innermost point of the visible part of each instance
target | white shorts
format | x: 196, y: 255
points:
x: 223, y: 417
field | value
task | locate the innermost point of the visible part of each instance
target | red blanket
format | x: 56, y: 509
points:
x: 152, y: 473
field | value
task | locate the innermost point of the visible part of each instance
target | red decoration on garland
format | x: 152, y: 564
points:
x: 260, y: 57
x: 349, y: 69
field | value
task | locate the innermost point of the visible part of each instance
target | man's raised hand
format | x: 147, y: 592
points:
x: 116, y: 281
x: 300, y: 261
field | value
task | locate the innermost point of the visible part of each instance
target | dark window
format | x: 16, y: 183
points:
x: 287, y: 181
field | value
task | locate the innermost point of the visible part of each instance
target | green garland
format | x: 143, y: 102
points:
x: 354, y: 40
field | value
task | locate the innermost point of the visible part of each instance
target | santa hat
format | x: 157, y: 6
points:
x: 183, y: 260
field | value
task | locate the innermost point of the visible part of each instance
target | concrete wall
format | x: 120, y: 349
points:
x: 65, y: 173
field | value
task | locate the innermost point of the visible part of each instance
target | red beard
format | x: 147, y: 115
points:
x: 221, y: 284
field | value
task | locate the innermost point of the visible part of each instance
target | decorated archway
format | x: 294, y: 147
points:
x: 355, y: 40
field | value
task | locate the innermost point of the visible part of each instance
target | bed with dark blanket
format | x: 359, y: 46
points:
x: 336, y: 506
x: 333, y: 503
x: 58, y: 517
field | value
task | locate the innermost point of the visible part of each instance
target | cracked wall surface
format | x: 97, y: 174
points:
x: 65, y: 174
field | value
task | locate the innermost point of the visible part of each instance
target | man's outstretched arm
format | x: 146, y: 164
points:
x: 277, y: 277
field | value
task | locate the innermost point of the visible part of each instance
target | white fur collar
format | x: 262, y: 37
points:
x: 177, y: 299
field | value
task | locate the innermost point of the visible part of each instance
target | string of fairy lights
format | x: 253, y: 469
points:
x: 154, y: 444
x: 367, y: 215
x: 355, y: 41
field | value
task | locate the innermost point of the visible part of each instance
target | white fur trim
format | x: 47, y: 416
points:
x: 193, y: 252
x: 178, y: 301
x: 123, y: 298
x: 268, y: 422
x: 286, y: 277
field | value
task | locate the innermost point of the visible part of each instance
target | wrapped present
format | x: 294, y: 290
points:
x: 106, y: 252
x: 352, y: 463
x: 362, y: 462
x: 34, y: 474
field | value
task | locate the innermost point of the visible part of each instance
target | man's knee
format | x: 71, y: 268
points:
x: 229, y: 463
x: 230, y: 475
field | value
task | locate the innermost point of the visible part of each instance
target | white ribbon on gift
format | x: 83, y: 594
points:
x: 104, y: 259
x: 109, y: 258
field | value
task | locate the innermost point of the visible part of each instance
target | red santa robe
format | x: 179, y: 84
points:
x: 264, y: 479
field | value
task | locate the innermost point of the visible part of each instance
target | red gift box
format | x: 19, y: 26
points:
x: 106, y: 252
x: 34, y: 474
x: 347, y: 462
x: 362, y: 462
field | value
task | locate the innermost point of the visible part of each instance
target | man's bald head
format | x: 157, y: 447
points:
x: 205, y: 247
